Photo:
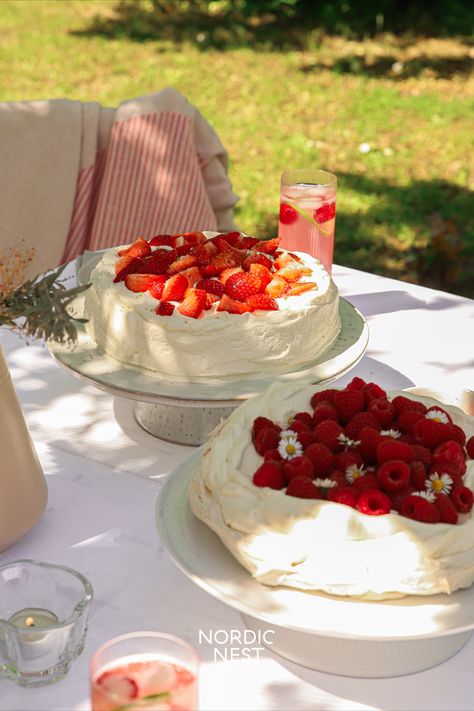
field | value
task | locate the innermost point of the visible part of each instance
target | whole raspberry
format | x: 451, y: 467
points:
x: 450, y: 452
x: 348, y: 403
x: 373, y: 502
x: 382, y: 410
x: 446, y: 508
x: 273, y: 454
x: 321, y: 395
x: 267, y: 438
x: 430, y: 433
x: 303, y: 488
x: 327, y: 432
x: 397, y: 499
x: 369, y: 441
x: 338, y: 477
x: 407, y: 421
x: 358, y: 422
x: 343, y: 495
x: 321, y: 458
x: 367, y: 481
x: 417, y: 475
x: 422, y: 454
x: 298, y: 426
x: 470, y: 447
x: 462, y: 499
x: 372, y: 391
x: 452, y: 471
x: 394, y: 476
x: 345, y: 459
x: 306, y: 438
x: 356, y: 384
x: 457, y: 434
x: 298, y: 466
x: 260, y: 422
x: 402, y: 403
x: 324, y: 411
x: 270, y: 474
x: 392, y: 449
x: 419, y: 509
x: 304, y: 417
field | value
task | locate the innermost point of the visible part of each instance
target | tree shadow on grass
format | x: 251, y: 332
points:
x: 436, y: 213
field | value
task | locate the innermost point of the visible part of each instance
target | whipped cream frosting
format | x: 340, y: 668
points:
x: 318, y: 544
x: 218, y: 344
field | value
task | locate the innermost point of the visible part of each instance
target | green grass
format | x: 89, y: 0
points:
x: 405, y: 209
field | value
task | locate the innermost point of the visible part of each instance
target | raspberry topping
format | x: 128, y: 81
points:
x: 373, y: 502
x: 303, y: 488
x: 270, y: 474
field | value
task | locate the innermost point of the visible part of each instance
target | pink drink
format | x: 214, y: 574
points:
x: 144, y: 683
x: 308, y: 214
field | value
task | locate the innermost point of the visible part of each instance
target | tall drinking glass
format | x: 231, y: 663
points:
x: 144, y: 671
x: 308, y: 213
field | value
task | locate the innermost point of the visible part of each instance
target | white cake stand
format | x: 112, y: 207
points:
x: 186, y: 412
x: 328, y: 633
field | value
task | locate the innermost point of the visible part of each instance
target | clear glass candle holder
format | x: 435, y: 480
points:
x: 43, y: 620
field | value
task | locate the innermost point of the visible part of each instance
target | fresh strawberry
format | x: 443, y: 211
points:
x: 394, y: 476
x: 277, y: 287
x: 419, y: 509
x: 163, y: 240
x: 241, y: 285
x: 470, y: 447
x: 303, y: 488
x: 324, y: 411
x: 126, y: 265
x: 373, y: 502
x: 225, y: 248
x: 402, y: 403
x: 298, y: 466
x: 359, y: 421
x: 257, y: 258
x: 369, y: 439
x: 224, y: 275
x: 285, y: 258
x: 265, y: 439
x: 202, y: 255
x: 321, y: 458
x: 182, y: 264
x: 139, y: 282
x: 165, y: 308
x: 261, y: 302
x: 270, y: 474
x: 232, y: 306
x: 208, y: 270
x: 157, y: 286
x: 183, y: 249
x: 343, y: 495
x: 328, y: 394
x: 175, y: 288
x: 268, y: 246
x: 417, y: 475
x: 194, y: 238
x: 157, y: 262
x: 212, y: 286
x: 222, y: 261
x: 246, y: 242
x: 288, y: 214
x: 446, y: 508
x: 328, y: 432
x: 293, y: 272
x: 300, y: 287
x: 383, y: 411
x: 193, y: 275
x: 393, y: 449
x: 210, y: 300
x: 348, y: 403
x: 326, y: 212
x: 193, y: 303
x: 462, y: 499
x: 118, y: 685
x: 262, y: 274
x: 231, y: 238
x: 140, y: 248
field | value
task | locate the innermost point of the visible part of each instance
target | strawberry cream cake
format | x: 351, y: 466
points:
x: 354, y: 492
x: 201, y: 305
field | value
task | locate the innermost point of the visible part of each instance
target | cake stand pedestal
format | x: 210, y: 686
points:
x: 186, y: 412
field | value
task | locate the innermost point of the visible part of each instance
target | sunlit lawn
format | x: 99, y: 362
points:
x: 405, y: 207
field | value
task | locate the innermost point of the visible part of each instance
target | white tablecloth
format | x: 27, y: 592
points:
x: 104, y: 474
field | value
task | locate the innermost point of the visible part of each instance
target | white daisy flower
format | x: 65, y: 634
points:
x: 394, y: 434
x: 347, y: 442
x: 428, y: 495
x: 354, y: 471
x: 325, y: 483
x: 438, y: 416
x: 289, y: 447
x: 288, y: 417
x: 439, y: 483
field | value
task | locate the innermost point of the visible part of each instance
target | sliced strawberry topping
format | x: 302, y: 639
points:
x: 208, y: 270
x: 326, y: 212
x: 300, y: 287
x: 241, y: 285
x: 175, y: 288
x: 232, y: 306
x: 157, y: 262
x: 127, y: 265
x: 212, y: 286
x: 263, y: 275
x: 139, y: 282
x: 163, y: 241
x: 277, y: 287
x: 262, y: 302
x: 294, y: 271
x: 223, y: 276
x: 181, y: 264
x: 257, y: 258
x: 140, y: 248
x: 156, y: 288
x: 247, y: 242
x: 269, y: 246
x: 165, y: 308
x: 194, y: 303
x: 285, y: 258
x: 231, y: 238
x: 210, y: 299
x: 192, y: 274
x: 222, y: 261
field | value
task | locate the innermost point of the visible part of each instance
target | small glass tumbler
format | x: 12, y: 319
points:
x: 308, y: 213
x: 144, y: 670
x: 43, y: 620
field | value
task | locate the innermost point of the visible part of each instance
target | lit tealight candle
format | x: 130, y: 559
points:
x: 33, y: 617
x: 34, y: 639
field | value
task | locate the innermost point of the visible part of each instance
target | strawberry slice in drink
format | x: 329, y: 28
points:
x: 117, y: 684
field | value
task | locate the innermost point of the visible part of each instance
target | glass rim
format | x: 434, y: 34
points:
x: 309, y: 176
x: 79, y: 608
x: 145, y: 633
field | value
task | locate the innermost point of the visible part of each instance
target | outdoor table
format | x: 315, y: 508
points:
x: 104, y: 474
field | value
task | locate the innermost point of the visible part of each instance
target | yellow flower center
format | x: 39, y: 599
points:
x: 438, y: 485
x: 290, y: 448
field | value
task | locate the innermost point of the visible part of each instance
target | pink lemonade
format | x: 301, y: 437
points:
x: 144, y: 682
x: 307, y: 220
